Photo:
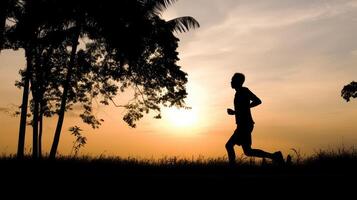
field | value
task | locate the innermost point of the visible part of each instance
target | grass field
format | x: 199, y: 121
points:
x: 324, y: 173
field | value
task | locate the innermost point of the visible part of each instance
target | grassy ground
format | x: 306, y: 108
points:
x: 325, y: 173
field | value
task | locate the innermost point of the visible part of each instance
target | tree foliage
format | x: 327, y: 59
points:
x: 349, y: 91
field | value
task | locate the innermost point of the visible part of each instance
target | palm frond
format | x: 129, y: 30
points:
x: 157, y: 6
x: 183, y: 24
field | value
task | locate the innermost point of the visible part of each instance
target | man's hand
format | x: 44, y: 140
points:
x: 231, y: 112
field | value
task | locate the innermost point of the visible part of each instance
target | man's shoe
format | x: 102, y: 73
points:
x: 278, y: 158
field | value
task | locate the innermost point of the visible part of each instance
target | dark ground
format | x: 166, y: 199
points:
x: 126, y: 179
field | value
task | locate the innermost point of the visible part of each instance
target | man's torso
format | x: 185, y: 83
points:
x: 242, y: 101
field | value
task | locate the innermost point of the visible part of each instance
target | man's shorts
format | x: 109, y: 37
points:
x: 242, y: 135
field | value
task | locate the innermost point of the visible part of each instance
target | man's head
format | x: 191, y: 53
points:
x: 237, y: 80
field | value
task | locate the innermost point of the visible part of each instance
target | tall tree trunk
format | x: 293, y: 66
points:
x: 40, y: 131
x: 3, y: 15
x: 25, y: 96
x: 65, y: 95
x: 38, y: 92
x: 35, y: 126
x: 41, y: 99
x: 34, y: 81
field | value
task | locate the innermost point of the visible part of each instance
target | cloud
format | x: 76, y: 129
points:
x: 10, y: 110
x: 271, y: 34
x: 4, y: 110
x: 289, y: 50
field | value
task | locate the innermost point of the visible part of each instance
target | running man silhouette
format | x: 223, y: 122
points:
x: 244, y: 100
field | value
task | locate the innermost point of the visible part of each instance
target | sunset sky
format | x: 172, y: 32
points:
x: 296, y: 55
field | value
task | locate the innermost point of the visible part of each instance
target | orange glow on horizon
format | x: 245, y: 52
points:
x: 292, y: 58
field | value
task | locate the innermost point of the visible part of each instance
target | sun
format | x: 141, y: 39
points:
x: 182, y: 120
x: 181, y: 117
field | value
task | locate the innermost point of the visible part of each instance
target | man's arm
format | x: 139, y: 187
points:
x: 254, y: 99
x: 231, y: 112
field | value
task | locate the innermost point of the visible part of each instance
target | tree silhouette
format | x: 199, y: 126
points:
x: 8, y: 9
x: 46, y: 80
x: 127, y: 47
x: 39, y: 28
x: 150, y: 68
x: 349, y: 91
x: 82, y: 25
x: 3, y: 16
x: 25, y: 35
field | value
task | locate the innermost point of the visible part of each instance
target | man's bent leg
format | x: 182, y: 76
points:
x: 231, y: 153
x: 248, y: 151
